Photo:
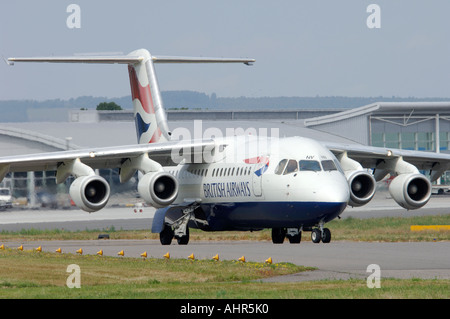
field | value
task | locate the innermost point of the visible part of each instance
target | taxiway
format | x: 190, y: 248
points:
x: 336, y: 260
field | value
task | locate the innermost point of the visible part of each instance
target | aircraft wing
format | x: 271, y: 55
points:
x: 167, y: 153
x: 375, y: 157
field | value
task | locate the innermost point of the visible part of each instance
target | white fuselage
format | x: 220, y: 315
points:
x: 287, y: 182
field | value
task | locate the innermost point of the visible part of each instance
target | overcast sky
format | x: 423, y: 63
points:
x: 302, y: 48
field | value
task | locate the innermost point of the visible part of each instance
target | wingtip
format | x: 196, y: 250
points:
x: 9, y: 61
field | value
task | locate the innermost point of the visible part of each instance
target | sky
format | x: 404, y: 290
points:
x: 302, y: 48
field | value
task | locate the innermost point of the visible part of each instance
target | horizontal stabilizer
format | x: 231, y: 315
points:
x: 129, y: 59
x: 176, y: 59
x: 125, y: 59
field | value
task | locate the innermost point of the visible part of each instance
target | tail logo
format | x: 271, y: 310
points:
x: 144, y: 109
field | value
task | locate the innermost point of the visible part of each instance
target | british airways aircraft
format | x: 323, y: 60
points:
x: 289, y: 185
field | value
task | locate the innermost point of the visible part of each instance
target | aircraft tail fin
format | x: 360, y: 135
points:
x: 149, y: 114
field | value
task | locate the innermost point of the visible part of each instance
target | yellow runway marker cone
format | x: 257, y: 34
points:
x: 100, y: 252
x: 80, y: 251
x: 216, y: 257
x: 242, y: 259
x: 20, y: 247
x: 167, y: 256
x: 39, y: 249
x: 121, y: 253
x: 59, y: 250
x: 191, y: 256
x: 269, y: 260
x: 144, y: 254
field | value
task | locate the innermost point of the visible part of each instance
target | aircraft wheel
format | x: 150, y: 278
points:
x: 326, y: 236
x: 296, y: 239
x: 183, y: 240
x: 278, y: 235
x: 316, y: 236
x: 166, y: 235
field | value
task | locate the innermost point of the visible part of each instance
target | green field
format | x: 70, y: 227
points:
x: 30, y: 274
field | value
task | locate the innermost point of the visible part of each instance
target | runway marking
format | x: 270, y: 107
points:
x: 430, y: 227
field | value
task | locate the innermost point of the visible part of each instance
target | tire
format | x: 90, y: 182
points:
x: 166, y: 235
x: 326, y: 236
x: 278, y: 235
x: 295, y: 239
x: 183, y: 240
x: 316, y: 236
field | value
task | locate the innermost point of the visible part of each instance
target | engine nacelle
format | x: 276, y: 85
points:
x: 90, y: 193
x: 159, y: 189
x: 362, y: 188
x: 411, y: 191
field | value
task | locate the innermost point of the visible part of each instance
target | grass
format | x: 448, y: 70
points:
x: 389, y: 229
x: 30, y: 275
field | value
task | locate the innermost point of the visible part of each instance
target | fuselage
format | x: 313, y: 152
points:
x: 264, y: 182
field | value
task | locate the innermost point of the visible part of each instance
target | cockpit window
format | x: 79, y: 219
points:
x: 291, y: 167
x: 308, y: 165
x: 328, y: 165
x: 280, y: 167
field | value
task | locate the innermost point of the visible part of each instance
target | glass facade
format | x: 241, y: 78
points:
x: 413, y: 134
x: 419, y: 141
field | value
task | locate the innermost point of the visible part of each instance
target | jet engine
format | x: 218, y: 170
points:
x: 159, y: 189
x: 90, y: 193
x: 362, y: 188
x: 411, y: 191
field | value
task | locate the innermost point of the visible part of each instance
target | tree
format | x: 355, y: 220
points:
x: 111, y: 106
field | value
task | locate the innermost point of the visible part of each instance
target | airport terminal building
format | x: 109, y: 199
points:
x: 421, y: 126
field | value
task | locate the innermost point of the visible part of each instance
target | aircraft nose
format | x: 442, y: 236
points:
x: 335, y: 189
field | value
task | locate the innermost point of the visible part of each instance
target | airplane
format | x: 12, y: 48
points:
x: 289, y: 185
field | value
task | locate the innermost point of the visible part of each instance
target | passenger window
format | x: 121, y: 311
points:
x: 328, y: 165
x: 280, y: 167
x: 291, y: 167
x: 306, y: 165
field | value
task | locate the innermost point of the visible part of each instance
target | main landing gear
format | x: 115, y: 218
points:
x: 179, y: 229
x: 168, y: 234
x: 294, y: 235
